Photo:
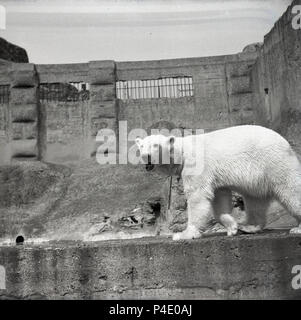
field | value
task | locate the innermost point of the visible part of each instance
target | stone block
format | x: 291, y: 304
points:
x: 104, y: 109
x: 238, y: 69
x: 239, y: 85
x: 103, y: 92
x: 24, y: 148
x: 23, y: 95
x: 23, y: 113
x: 24, y: 75
x: 102, y: 123
x: 24, y: 130
x: 240, y: 102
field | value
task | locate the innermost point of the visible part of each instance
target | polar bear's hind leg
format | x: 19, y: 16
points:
x: 289, y: 195
x: 256, y: 211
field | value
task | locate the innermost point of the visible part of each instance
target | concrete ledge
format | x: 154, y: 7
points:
x: 102, y: 72
x: 63, y: 72
x: 218, y: 267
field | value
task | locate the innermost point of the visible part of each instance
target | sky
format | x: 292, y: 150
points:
x: 72, y: 31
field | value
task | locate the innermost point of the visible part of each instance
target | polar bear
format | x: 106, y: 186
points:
x: 252, y: 160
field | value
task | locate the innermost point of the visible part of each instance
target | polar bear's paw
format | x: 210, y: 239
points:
x: 187, y: 234
x: 249, y: 228
x: 232, y: 230
x: 296, y: 230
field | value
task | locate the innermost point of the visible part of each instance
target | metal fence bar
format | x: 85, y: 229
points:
x: 172, y: 87
x: 71, y: 91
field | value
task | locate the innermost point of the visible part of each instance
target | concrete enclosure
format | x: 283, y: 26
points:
x: 50, y: 116
x: 39, y: 123
x: 43, y: 122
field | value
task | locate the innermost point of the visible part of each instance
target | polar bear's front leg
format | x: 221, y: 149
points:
x: 199, y: 210
x: 222, y: 206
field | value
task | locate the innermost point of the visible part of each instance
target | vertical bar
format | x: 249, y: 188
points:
x: 134, y: 88
x: 137, y: 89
x: 153, y: 88
x: 131, y: 93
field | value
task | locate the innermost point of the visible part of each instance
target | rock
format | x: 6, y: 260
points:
x: 100, y: 227
x: 238, y: 201
x: 11, y: 52
x: 253, y: 47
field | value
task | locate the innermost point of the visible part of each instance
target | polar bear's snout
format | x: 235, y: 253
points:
x: 147, y: 160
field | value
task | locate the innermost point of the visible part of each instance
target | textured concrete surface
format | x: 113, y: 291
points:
x: 218, y: 267
x: 277, y: 91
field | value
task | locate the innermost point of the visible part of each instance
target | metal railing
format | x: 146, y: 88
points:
x: 72, y: 91
x: 175, y: 87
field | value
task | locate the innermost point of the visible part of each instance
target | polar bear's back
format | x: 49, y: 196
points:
x: 248, y: 156
x: 245, y: 138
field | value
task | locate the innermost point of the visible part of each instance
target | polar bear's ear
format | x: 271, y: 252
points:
x: 138, y: 141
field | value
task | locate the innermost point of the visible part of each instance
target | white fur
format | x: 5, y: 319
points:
x: 254, y: 161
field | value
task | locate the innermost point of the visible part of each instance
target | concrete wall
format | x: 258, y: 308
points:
x: 3, y: 132
x: 65, y: 123
x: 20, y: 117
x: 276, y: 80
x: 211, y: 268
x: 222, y: 92
x: 228, y: 90
x: 66, y: 131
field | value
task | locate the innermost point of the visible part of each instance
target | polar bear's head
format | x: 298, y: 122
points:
x: 155, y: 150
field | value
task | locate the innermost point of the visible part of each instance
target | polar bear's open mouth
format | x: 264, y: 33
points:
x: 149, y: 166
